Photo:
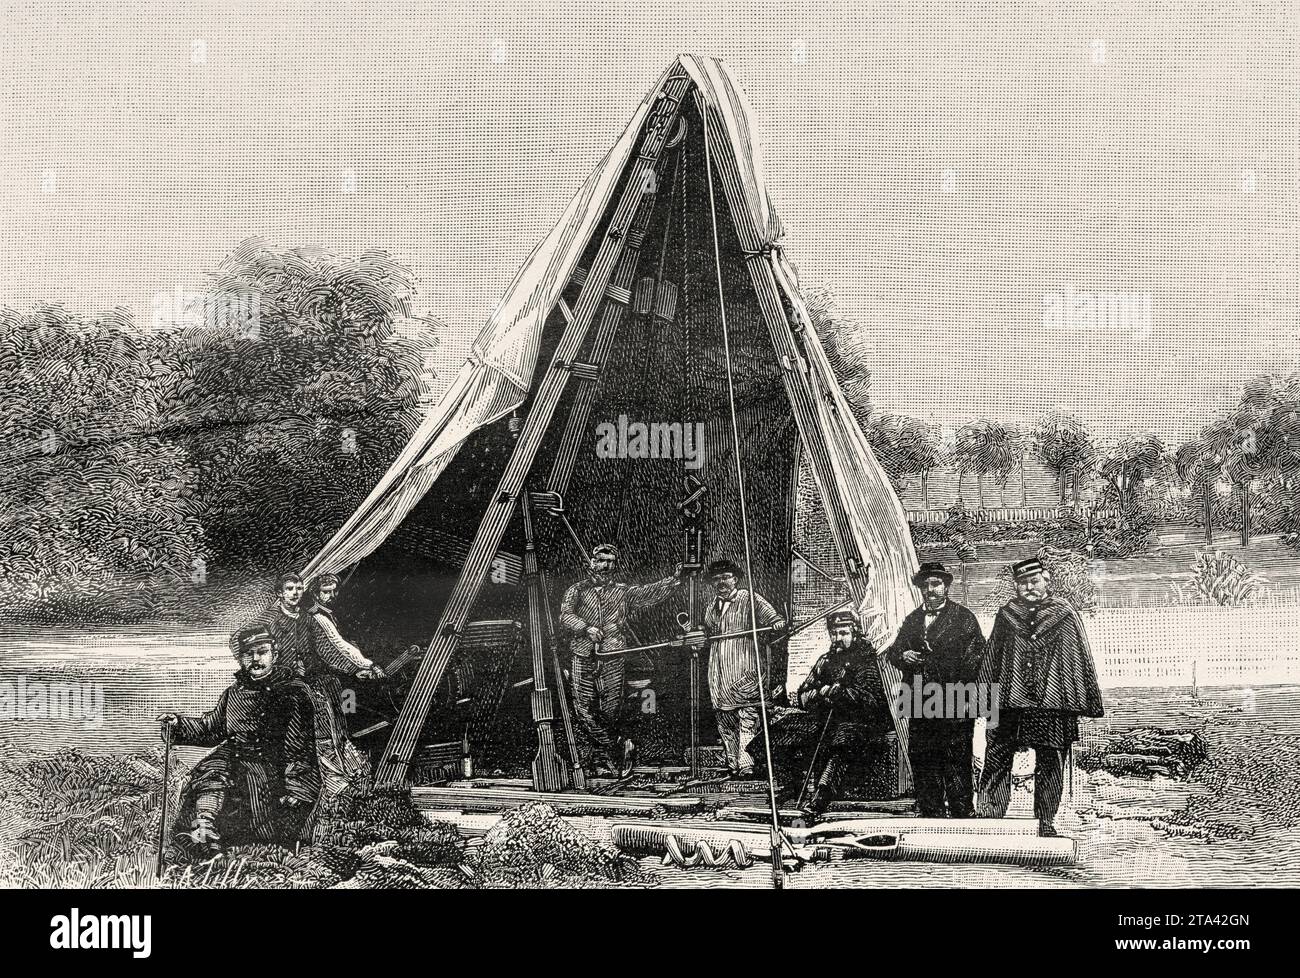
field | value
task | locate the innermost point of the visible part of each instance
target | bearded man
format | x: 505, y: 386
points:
x: 1038, y: 655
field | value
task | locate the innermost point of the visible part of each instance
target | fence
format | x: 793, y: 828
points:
x: 1010, y: 514
x: 1165, y: 647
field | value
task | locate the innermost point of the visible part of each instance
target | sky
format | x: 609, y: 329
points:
x: 1088, y: 207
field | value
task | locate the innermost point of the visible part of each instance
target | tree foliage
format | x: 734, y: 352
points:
x: 847, y: 349
x: 985, y: 448
x: 297, y: 404
x: 1063, y: 444
x: 138, y: 462
x: 904, y: 446
x: 98, y: 509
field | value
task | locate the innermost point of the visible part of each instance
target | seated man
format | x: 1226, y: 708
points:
x: 842, y: 707
x: 261, y: 782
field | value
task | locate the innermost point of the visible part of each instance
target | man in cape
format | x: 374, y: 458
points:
x: 1038, y: 655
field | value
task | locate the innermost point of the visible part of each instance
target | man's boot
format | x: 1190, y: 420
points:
x: 819, y: 802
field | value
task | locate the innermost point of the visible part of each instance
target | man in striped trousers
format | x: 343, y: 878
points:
x: 595, y: 611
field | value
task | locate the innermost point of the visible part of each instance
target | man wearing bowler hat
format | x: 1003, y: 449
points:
x: 735, y: 679
x: 1038, y: 654
x: 940, y: 643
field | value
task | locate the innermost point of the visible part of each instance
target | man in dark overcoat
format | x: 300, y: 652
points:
x: 1038, y: 655
x: 842, y: 716
x: 940, y: 643
x: 262, y: 781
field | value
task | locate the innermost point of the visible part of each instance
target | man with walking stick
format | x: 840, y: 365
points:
x: 261, y: 781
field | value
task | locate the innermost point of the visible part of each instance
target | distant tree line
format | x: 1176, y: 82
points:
x: 1241, y: 472
x: 148, y: 465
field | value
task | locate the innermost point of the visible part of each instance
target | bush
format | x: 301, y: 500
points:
x: 1219, y: 578
x: 141, y: 461
x: 101, y: 518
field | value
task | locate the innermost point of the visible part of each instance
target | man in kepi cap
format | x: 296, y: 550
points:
x: 940, y: 642
x: 261, y: 781
x: 1038, y: 654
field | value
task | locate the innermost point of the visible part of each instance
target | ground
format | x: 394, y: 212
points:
x: 83, y: 820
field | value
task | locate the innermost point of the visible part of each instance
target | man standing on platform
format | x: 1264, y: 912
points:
x: 938, y: 645
x: 1038, y: 654
x: 595, y: 610
x: 734, y: 679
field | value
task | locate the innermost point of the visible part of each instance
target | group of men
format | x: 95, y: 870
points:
x: 279, y: 734
x: 595, y: 611
x: 279, y: 737
x: 1035, y: 667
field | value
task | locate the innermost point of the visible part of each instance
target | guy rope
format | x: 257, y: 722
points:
x: 778, y: 837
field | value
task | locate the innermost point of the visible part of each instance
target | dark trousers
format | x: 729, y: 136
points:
x: 995, y: 783
x: 843, y: 746
x: 940, y: 755
x: 598, y: 693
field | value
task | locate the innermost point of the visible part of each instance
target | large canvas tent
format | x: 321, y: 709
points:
x: 661, y: 297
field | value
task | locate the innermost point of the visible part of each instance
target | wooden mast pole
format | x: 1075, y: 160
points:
x: 639, y: 185
x: 549, y: 772
x: 570, y: 736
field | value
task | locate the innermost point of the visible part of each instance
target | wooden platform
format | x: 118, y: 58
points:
x: 495, y: 799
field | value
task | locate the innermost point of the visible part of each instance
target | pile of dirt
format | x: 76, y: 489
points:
x: 74, y: 820
x: 532, y: 847
x: 370, y: 839
x: 1252, y: 782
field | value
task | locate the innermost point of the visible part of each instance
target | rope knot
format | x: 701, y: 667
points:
x: 765, y: 252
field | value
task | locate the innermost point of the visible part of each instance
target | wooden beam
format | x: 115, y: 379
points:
x: 393, y: 768
x: 564, y: 802
x: 580, y: 408
x: 549, y: 772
